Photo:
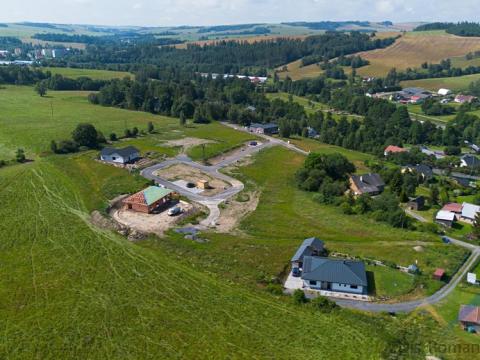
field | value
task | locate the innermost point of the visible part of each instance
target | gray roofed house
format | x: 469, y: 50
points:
x: 423, y: 170
x: 267, y: 129
x: 334, y: 275
x: 469, y: 161
x: 371, y: 184
x: 469, y: 211
x: 120, y: 156
x: 309, y: 247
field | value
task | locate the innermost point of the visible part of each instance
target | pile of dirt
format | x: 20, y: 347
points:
x: 418, y: 248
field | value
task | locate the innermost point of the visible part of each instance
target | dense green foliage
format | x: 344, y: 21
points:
x: 21, y: 75
x: 460, y: 29
x: 226, y: 56
x: 102, y: 40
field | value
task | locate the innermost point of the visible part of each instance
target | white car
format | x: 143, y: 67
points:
x: 174, y: 211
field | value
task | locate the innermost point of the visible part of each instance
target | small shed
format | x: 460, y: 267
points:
x: 203, y: 184
x: 439, y: 274
x: 417, y: 203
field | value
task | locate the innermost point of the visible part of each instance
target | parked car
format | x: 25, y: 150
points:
x: 174, y: 211
x: 190, y: 185
x: 253, y: 143
x: 445, y: 239
x: 296, y: 272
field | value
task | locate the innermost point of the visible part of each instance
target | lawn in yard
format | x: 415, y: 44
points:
x: 390, y: 282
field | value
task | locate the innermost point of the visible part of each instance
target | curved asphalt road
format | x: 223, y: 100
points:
x: 212, y: 203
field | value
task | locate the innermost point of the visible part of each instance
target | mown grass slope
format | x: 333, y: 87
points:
x: 70, y: 290
x: 31, y: 122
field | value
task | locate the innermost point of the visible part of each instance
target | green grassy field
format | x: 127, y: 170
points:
x: 91, y: 73
x: 285, y: 216
x: 459, y: 83
x: 71, y: 290
x: 310, y: 106
x: 27, y: 122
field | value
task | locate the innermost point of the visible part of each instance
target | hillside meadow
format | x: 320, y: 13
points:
x: 456, y: 84
x: 31, y: 122
x: 71, y: 290
x: 415, y: 48
x: 95, y: 74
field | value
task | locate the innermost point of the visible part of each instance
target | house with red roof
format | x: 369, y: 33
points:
x: 469, y: 317
x: 148, y: 200
x: 455, y: 208
x: 392, y: 149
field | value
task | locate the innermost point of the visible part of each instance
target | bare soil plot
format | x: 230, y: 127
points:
x: 149, y: 223
x: 235, y: 210
x: 411, y: 50
x: 193, y: 175
x: 187, y: 142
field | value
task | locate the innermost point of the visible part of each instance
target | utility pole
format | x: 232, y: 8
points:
x: 51, y: 108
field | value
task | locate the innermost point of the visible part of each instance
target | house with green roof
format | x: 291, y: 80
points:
x: 148, y: 200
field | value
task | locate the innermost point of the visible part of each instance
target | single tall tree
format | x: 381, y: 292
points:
x: 41, y: 88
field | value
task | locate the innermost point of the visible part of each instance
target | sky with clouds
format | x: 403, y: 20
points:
x: 209, y: 12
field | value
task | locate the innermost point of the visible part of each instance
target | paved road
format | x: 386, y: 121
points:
x: 211, y: 202
x: 415, y: 215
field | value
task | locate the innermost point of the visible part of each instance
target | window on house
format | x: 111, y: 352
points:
x: 312, y: 282
x: 114, y: 158
x: 353, y: 286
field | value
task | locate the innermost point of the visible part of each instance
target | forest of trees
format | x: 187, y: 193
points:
x: 105, y: 40
x: 460, y: 29
x: 22, y: 75
x: 224, y: 56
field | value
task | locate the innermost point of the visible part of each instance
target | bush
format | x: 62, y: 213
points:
x: 20, y: 156
x: 299, y: 297
x: 275, y: 289
x: 113, y: 137
x: 323, y: 304
x: 67, y: 146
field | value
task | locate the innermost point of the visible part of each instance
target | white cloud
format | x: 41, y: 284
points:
x: 207, y: 12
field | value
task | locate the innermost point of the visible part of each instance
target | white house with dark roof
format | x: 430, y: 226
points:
x: 339, y: 275
x: 120, y: 156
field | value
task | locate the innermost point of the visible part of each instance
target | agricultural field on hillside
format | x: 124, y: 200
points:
x: 457, y: 84
x: 27, y: 122
x: 413, y: 49
x: 83, y: 292
x: 91, y: 73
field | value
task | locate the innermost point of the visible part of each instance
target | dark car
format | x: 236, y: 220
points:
x: 296, y: 272
x: 445, y: 239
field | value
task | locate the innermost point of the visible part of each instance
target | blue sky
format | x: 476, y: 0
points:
x: 209, y: 12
